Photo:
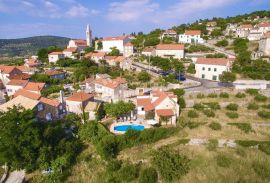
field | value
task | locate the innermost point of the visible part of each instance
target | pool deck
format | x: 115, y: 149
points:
x: 125, y: 123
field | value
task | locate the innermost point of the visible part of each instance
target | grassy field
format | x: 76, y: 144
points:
x: 208, y: 163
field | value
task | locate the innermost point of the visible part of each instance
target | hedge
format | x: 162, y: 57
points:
x: 232, y: 107
x: 264, y: 114
x: 240, y: 95
x: 253, y: 106
x: 215, y: 126
x: 232, y: 115
x: 209, y: 113
x: 245, y: 127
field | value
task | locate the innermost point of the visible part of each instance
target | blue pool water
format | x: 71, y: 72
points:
x: 124, y: 128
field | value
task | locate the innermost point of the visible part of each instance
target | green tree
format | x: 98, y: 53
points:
x: 143, y: 76
x: 89, y: 49
x: 42, y: 54
x: 114, y: 52
x: 191, y: 69
x: 227, y: 77
x: 119, y: 108
x: 108, y: 147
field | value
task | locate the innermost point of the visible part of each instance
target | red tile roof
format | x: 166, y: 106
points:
x: 119, y: 59
x: 165, y: 112
x: 80, y: 97
x: 170, y: 31
x: 27, y: 94
x: 98, y: 54
x: 6, y: 69
x: 145, y: 103
x: 148, y: 49
x: 264, y: 25
x: 213, y: 61
x: 246, y: 26
x: 17, y: 82
x: 116, y: 38
x: 110, y: 57
x: 31, y: 86
x: 56, y: 53
x: 21, y: 76
x: 80, y: 42
x: 72, y: 50
x: 50, y: 102
x: 53, y: 72
x: 193, y: 32
x: 111, y: 83
x: 170, y: 47
x: 23, y: 68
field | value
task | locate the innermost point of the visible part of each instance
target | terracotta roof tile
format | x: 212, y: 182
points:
x: 28, y: 94
x: 111, y: 83
x: 170, y: 47
x: 31, y: 86
x: 22, y: 76
x: 148, y: 49
x: 193, y: 32
x: 170, y: 31
x: 267, y: 35
x: 213, y: 61
x: 50, y: 102
x: 72, y: 50
x: 80, y: 97
x: 6, y: 69
x: 25, y: 102
x: 116, y: 38
x: 145, y: 103
x: 165, y: 112
x: 56, y: 53
x: 246, y: 26
x: 17, y: 82
x: 264, y: 25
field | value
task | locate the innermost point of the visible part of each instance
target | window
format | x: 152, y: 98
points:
x: 48, y: 116
x: 142, y: 108
x: 203, y: 68
x: 209, y: 69
x: 203, y: 76
x: 215, y: 69
x: 40, y: 107
x: 214, y: 78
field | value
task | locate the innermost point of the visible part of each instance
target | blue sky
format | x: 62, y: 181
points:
x: 24, y: 18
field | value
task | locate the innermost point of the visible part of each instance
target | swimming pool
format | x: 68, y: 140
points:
x: 126, y: 127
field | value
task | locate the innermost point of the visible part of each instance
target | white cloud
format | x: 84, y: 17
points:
x: 131, y: 10
x: 80, y: 11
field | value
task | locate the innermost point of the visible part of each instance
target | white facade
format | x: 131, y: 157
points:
x: 89, y: 36
x: 243, y: 30
x: 117, y: 42
x: 149, y: 52
x: 265, y: 45
x: 264, y: 28
x: 178, y: 54
x: 74, y: 107
x: 191, y: 37
x: 255, y: 35
x: 211, y: 71
x: 11, y: 89
x: 128, y: 50
x: 54, y: 57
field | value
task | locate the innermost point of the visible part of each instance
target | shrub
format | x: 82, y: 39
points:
x: 265, y: 147
x: 193, y: 114
x: 262, y: 169
x: 247, y: 143
x: 212, y: 144
x: 182, y: 102
x: 215, y: 126
x: 184, y: 141
x: 252, y: 91
x: 108, y: 147
x: 245, y: 127
x: 232, y: 107
x: 198, y: 107
x: 253, y: 106
x: 266, y: 106
x: 212, y: 95
x: 148, y: 175
x: 128, y: 172
x: 192, y: 125
x: 170, y: 164
x: 213, y: 105
x: 232, y: 115
x: 200, y: 96
x: 209, y: 113
x: 114, y: 165
x: 224, y: 95
x: 240, y: 95
x: 223, y: 161
x: 264, y: 114
x: 260, y: 98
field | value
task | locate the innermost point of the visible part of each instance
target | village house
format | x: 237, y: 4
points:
x: 149, y: 52
x: 121, y: 61
x: 96, y: 57
x: 27, y: 70
x: 210, y: 26
x: 91, y: 108
x: 32, y: 62
x: 117, y: 42
x: 191, y: 36
x: 128, y: 49
x: 231, y: 29
x: 28, y: 94
x: 264, y: 45
x: 170, y: 33
x: 263, y: 27
x: 110, y: 89
x: 55, y: 56
x: 170, y: 50
x: 35, y: 87
x: 14, y: 85
x: 88, y: 85
x: 157, y: 105
x: 70, y: 52
x: 55, y: 74
x: 211, y: 68
x: 77, y: 102
x: 243, y: 30
x: 79, y: 44
x: 7, y: 71
x: 255, y: 35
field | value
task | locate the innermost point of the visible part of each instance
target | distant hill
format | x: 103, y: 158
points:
x: 29, y: 46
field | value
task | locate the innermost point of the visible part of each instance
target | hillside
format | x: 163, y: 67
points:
x: 29, y: 46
